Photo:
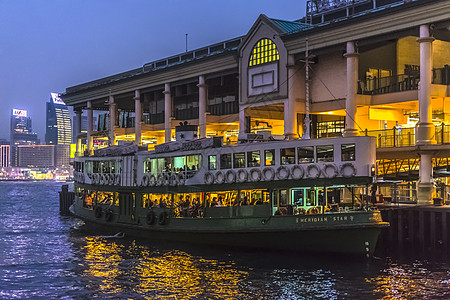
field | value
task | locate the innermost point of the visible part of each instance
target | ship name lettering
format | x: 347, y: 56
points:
x: 313, y: 220
x: 340, y: 218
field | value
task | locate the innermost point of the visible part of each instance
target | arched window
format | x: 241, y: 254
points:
x: 264, y: 51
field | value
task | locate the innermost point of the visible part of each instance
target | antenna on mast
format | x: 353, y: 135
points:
x: 186, y: 42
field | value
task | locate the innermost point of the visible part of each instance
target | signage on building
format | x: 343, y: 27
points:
x: 19, y: 112
x: 56, y: 99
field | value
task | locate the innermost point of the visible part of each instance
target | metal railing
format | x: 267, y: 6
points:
x: 401, y: 83
x: 406, y: 137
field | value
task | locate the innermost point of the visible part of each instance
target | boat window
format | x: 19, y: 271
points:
x: 112, y: 166
x: 305, y: 154
x: 325, y: 153
x: 347, y: 152
x: 310, y: 197
x: 96, y: 166
x: 283, y: 198
x: 168, y: 164
x: 192, y: 162
x: 239, y: 160
x: 178, y: 163
x: 148, y: 165
x: 297, y: 197
x: 269, y: 157
x: 225, y: 161
x: 254, y: 159
x: 212, y: 163
x: 287, y: 156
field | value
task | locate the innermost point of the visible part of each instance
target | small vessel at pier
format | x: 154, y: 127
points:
x: 301, y: 195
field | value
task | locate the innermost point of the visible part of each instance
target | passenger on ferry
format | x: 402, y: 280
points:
x: 214, y: 202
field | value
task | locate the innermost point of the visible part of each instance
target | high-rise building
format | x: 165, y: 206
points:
x: 20, y: 133
x: 59, y: 130
x: 5, y: 150
x: 37, y: 156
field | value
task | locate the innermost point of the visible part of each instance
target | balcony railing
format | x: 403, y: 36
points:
x: 391, y: 84
x: 224, y: 108
x: 406, y: 137
x: 401, y: 83
x: 157, y: 118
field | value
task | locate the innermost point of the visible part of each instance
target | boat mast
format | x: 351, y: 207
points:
x: 307, y: 122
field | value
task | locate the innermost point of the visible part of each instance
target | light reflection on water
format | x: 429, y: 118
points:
x: 45, y: 256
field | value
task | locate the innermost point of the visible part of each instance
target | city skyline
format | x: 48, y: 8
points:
x: 84, y: 41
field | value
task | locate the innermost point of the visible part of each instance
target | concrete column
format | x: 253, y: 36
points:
x: 90, y: 128
x: 202, y: 102
x: 352, y: 89
x: 112, y: 120
x: 78, y: 131
x: 425, y: 128
x: 241, y: 120
x: 167, y: 113
x: 290, y: 108
x: 137, y: 118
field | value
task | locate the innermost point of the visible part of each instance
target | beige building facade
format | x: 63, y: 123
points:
x: 376, y: 68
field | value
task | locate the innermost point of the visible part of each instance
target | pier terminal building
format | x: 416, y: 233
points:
x: 361, y: 67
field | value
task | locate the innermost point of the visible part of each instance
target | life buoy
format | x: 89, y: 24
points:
x: 348, y: 170
x: 98, y: 212
x: 145, y: 180
x: 230, y: 176
x: 297, y: 172
x: 108, y: 215
x: 150, y: 218
x: 220, y: 177
x: 166, y: 179
x: 181, y: 179
x: 282, y: 172
x: 163, y: 218
x: 103, y: 179
x: 209, y: 178
x: 242, y: 175
x: 152, y: 180
x: 111, y: 179
x: 160, y: 180
x: 313, y: 171
x: 96, y: 178
x: 300, y: 211
x: 313, y: 211
x: 255, y: 175
x: 107, y: 177
x: 268, y: 173
x: 330, y: 170
x: 173, y: 180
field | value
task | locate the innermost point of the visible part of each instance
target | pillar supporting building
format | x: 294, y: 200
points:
x: 137, y: 117
x: 425, y: 127
x: 202, y: 103
x: 290, y: 109
x: 167, y: 113
x: 90, y: 126
x: 78, y: 118
x: 351, y: 56
x: 112, y: 120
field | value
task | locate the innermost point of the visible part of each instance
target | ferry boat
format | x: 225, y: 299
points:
x: 301, y: 195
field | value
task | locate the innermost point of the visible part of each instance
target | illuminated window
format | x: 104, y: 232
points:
x: 265, y: 51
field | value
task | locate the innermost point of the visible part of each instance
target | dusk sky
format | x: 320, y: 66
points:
x: 49, y: 45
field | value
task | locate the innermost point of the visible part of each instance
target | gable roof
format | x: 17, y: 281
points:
x: 288, y: 27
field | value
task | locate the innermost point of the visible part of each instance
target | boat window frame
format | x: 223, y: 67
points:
x: 230, y: 160
x: 306, y: 161
x: 325, y: 159
x: 282, y: 150
x: 215, y: 162
x: 343, y: 152
x: 235, y: 160
x: 273, y: 161
x: 250, y: 162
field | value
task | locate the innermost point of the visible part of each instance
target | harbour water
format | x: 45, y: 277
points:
x: 46, y: 256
